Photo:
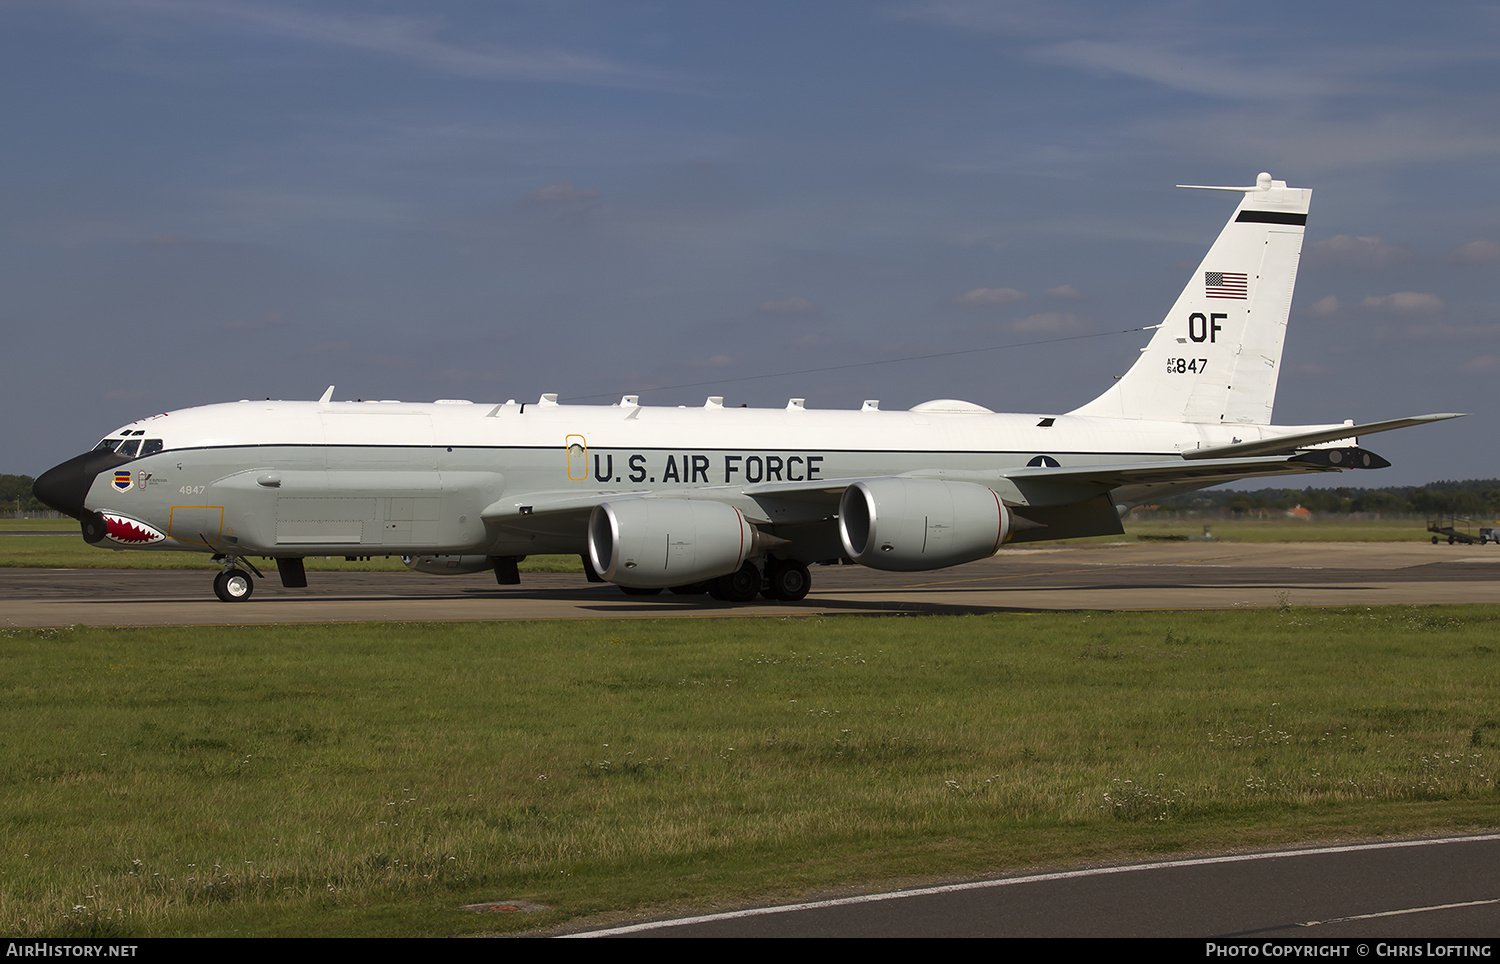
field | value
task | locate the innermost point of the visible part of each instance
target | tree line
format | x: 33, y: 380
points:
x: 1471, y: 498
x: 15, y: 494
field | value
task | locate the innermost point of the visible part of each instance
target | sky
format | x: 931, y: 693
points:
x: 207, y: 200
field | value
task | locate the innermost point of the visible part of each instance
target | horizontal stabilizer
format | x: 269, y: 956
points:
x: 1201, y: 472
x: 1291, y: 443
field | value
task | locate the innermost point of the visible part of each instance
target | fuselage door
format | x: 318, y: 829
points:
x: 578, y: 458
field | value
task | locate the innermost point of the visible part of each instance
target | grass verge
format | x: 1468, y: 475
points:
x: 372, y: 779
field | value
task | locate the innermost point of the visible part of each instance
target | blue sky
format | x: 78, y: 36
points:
x: 216, y: 199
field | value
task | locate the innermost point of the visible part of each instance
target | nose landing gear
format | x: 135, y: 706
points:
x: 233, y: 584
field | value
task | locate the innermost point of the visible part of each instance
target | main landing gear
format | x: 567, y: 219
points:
x: 784, y: 580
x: 738, y: 586
x: 787, y: 580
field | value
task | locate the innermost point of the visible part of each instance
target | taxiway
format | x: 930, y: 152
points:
x: 1127, y: 576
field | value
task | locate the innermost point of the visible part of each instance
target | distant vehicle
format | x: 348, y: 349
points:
x: 1450, y: 530
x: 735, y: 502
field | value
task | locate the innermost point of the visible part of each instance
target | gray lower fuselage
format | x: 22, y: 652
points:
x: 297, y: 500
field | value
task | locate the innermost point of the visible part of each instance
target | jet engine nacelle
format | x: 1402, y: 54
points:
x: 448, y: 565
x: 654, y: 543
x: 909, y: 525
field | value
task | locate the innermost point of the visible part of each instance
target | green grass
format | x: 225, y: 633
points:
x: 38, y: 525
x: 371, y: 779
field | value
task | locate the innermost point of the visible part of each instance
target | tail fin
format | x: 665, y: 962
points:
x: 1216, y: 356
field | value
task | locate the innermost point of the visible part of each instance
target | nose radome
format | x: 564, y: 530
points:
x: 65, y: 487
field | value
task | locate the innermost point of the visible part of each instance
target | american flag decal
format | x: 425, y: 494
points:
x: 1226, y: 284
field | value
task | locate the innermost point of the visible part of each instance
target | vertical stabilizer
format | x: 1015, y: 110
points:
x: 1217, y: 355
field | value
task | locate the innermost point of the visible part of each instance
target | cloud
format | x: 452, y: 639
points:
x: 1481, y: 365
x: 1196, y: 50
x: 1183, y: 66
x: 1356, y: 252
x: 1477, y: 252
x: 1399, y: 303
x: 787, y: 308
x: 1320, y: 146
x: 717, y: 361
x: 414, y: 40
x: 1406, y: 302
x: 1064, y: 293
x: 991, y: 296
x: 1048, y: 322
x: 1324, y: 307
x: 1433, y: 330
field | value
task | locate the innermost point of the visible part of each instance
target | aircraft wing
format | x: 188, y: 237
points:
x: 1056, y: 501
x: 1290, y: 443
x: 1041, y: 485
x: 1061, y: 484
x: 521, y: 508
x: 548, y: 513
x: 566, y: 513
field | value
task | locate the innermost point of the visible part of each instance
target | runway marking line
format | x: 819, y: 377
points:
x: 1033, y: 879
x: 1398, y: 913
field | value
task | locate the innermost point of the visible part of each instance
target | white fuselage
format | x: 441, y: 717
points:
x: 279, y: 478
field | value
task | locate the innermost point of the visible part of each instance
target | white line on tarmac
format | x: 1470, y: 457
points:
x: 1036, y: 878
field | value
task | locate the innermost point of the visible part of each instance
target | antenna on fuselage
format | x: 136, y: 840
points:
x: 327, y: 396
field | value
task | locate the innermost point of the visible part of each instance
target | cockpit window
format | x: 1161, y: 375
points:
x: 130, y: 447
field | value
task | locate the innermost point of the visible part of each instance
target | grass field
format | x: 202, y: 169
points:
x: 372, y: 779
